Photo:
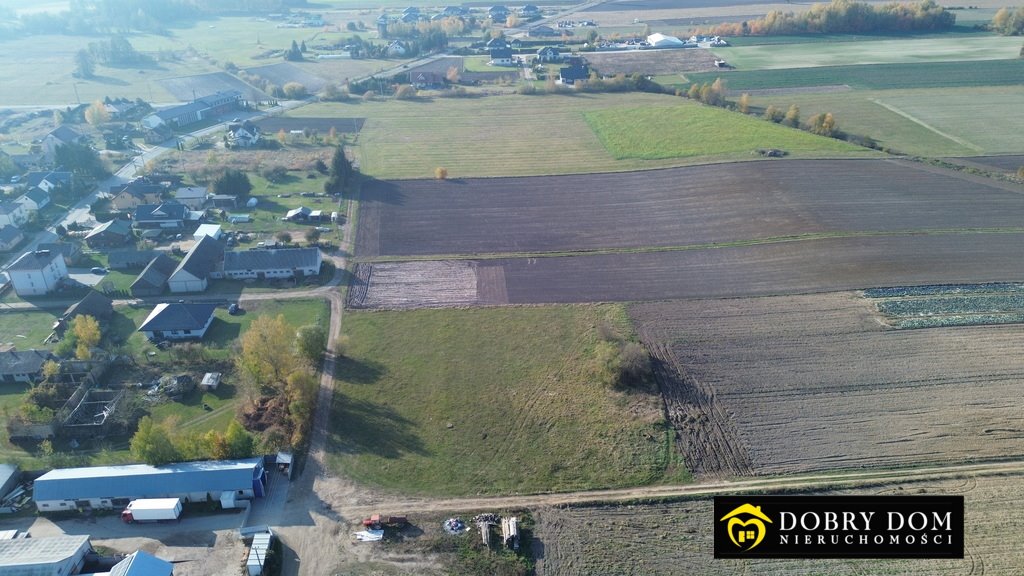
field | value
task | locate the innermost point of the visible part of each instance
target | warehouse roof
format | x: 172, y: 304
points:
x: 282, y: 259
x: 145, y: 481
x: 35, y: 551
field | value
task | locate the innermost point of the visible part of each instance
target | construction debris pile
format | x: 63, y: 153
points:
x: 509, y: 529
x: 455, y: 526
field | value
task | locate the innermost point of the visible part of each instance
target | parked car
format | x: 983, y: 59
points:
x: 323, y: 228
x: 233, y: 309
x: 98, y: 270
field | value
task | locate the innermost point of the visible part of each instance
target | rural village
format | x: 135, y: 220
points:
x: 343, y: 287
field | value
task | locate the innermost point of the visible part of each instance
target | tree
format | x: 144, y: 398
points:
x: 406, y: 92
x: 332, y: 93
x: 441, y: 173
x: 283, y: 237
x: 823, y: 125
x: 453, y: 75
x: 85, y: 67
x: 232, y: 182
x: 80, y: 159
x: 744, y: 103
x: 311, y: 341
x: 340, y: 172
x: 87, y: 333
x: 152, y: 443
x: 239, y: 443
x: 302, y: 47
x: 282, y: 137
x: 792, y: 117
x: 267, y: 356
x: 97, y: 114
x: 295, y: 91
x: 694, y: 92
x: 773, y: 114
x: 312, y: 236
x: 293, y: 54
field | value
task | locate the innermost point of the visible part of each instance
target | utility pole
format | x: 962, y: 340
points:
x: 75, y: 86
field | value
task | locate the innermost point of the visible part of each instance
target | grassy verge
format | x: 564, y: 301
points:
x: 690, y: 130
x: 495, y: 400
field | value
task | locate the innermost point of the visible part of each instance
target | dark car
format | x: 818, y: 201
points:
x: 98, y: 270
x: 234, y: 309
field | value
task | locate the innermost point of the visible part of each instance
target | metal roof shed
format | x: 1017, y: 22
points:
x: 141, y: 563
x: 43, y: 556
x: 100, y: 486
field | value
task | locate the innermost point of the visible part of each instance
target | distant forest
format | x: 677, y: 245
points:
x: 847, y: 17
x: 118, y: 16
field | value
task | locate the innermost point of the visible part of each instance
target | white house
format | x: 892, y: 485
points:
x: 177, y: 321
x: 37, y: 273
x: 274, y: 263
x: 192, y: 196
x: 13, y: 214
x: 34, y: 200
x: 198, y: 266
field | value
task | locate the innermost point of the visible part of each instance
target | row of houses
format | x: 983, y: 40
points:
x: 15, y: 213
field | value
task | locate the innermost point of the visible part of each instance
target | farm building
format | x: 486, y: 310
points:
x: 10, y: 236
x: 279, y: 263
x: 192, y: 196
x: 153, y: 279
x: 92, y: 304
x: 200, y: 109
x: 210, y: 381
x: 142, y: 563
x: 24, y: 366
x: 111, y: 487
x: 37, y: 273
x: 659, y: 40
x: 296, y: 214
x: 116, y: 232
x: 211, y: 230
x: 195, y: 270
x: 53, y: 556
x: 178, y: 321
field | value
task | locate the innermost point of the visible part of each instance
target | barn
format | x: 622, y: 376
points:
x: 659, y: 40
x: 113, y: 487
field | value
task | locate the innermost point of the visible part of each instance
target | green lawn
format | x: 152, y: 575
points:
x: 27, y: 329
x: 937, y: 49
x: 691, y: 130
x: 490, y: 400
x: 936, y: 122
x: 875, y: 76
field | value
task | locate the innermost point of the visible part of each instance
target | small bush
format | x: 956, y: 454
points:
x: 441, y: 173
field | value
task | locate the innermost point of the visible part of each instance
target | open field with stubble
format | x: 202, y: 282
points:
x: 676, y: 538
x: 490, y: 401
x: 796, y: 376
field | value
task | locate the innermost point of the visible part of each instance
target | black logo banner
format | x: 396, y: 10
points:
x: 839, y: 526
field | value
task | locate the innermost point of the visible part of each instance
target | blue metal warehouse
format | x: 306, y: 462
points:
x: 115, y: 486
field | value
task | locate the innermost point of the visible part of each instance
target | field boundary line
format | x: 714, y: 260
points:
x: 927, y: 126
x: 686, y: 247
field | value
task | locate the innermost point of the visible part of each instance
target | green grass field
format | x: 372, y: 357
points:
x: 936, y: 122
x: 875, y: 76
x: 690, y: 130
x: 490, y: 400
x: 27, y: 329
x: 936, y: 49
x: 518, y: 136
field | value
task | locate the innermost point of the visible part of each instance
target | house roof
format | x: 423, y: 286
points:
x: 35, y: 260
x: 55, y: 178
x: 10, y: 207
x: 165, y: 211
x: 548, y: 50
x: 9, y: 234
x: 68, y: 249
x: 176, y: 111
x: 37, y: 195
x: 497, y: 53
x: 208, y: 230
x: 129, y: 258
x: 23, y: 362
x: 203, y: 258
x: 578, y: 72
x: 296, y: 211
x: 145, y: 481
x: 139, y: 187
x: 93, y: 304
x: 156, y: 273
x: 274, y: 259
x: 35, y: 551
x: 169, y: 317
x: 499, y: 42
x: 115, y: 226
x: 65, y: 134
x: 142, y: 563
x: 191, y: 192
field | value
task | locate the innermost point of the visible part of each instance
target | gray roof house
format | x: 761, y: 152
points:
x: 153, y: 279
x: 10, y: 236
x: 177, y: 321
x: 192, y: 196
x: 92, y: 304
x: 34, y: 199
x: 122, y: 259
x: 116, y: 232
x: 199, y: 265
x: 165, y: 216
x: 274, y: 263
x: 24, y: 366
x: 114, y: 486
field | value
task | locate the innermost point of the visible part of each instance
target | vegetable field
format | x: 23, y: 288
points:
x: 950, y: 305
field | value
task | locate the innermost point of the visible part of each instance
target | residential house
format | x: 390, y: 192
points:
x: 423, y: 80
x: 192, y: 196
x: 93, y: 304
x: 136, y: 193
x: 243, y: 135
x: 123, y: 108
x: 542, y: 32
x: 396, y: 49
x: 409, y: 18
x: 300, y: 214
x: 549, y: 54
x: 198, y: 266
x: 530, y: 11
x: 276, y: 263
x: 60, y: 136
x: 501, y: 57
x: 49, y: 180
x: 13, y: 214
x: 70, y: 250
x: 114, y: 233
x: 125, y: 259
x: 24, y: 366
x: 10, y: 236
x: 575, y: 72
x: 164, y: 216
x: 34, y: 200
x: 498, y: 13
x: 499, y: 42
x: 153, y: 279
x: 154, y: 131
x: 178, y: 321
x: 37, y: 273
x: 453, y: 11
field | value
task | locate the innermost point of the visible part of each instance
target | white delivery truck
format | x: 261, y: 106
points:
x: 152, y: 510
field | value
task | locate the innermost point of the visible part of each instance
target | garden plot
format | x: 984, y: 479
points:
x: 652, y: 61
x: 818, y: 383
x: 413, y: 285
x: 949, y: 305
x: 188, y: 88
x: 282, y: 73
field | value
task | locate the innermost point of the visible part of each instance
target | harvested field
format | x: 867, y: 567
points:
x: 186, y: 88
x: 283, y: 73
x: 652, y: 61
x: 676, y: 538
x: 414, y: 284
x: 645, y: 5
x: 796, y: 375
x: 321, y: 125
x: 799, y: 266
x: 999, y: 163
x: 685, y: 207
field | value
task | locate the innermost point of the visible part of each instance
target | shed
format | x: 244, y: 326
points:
x: 112, y: 487
x: 258, y: 553
x: 43, y: 556
x: 210, y: 381
x: 211, y: 230
x: 142, y: 563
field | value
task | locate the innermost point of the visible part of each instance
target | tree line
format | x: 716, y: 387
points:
x: 846, y: 17
x: 1009, y: 22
